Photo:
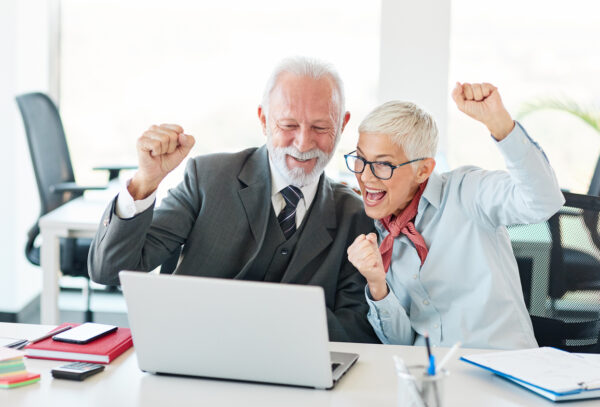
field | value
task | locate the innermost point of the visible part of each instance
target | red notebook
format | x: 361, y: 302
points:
x: 101, y: 350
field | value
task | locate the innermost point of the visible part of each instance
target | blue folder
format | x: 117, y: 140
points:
x: 583, y: 390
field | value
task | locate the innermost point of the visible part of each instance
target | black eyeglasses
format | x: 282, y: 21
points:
x: 382, y: 170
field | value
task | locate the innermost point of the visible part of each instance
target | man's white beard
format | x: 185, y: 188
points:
x: 297, y: 176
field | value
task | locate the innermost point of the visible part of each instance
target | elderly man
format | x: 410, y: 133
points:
x: 263, y: 214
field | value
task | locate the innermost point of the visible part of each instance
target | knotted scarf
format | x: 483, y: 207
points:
x: 403, y: 223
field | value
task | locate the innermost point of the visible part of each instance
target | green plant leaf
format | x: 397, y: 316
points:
x: 588, y: 114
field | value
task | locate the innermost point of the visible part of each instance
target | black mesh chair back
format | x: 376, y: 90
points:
x: 559, y: 266
x: 48, y: 148
x: 52, y: 166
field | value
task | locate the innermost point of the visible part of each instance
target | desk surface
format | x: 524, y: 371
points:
x: 371, y: 382
x: 80, y: 214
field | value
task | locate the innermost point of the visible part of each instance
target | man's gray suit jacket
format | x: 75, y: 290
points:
x: 219, y: 213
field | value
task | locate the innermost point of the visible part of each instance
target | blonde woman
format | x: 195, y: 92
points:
x: 442, y: 262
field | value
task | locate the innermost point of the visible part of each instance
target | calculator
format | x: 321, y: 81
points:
x: 76, y: 370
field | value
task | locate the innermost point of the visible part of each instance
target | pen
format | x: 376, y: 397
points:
x: 18, y: 344
x: 431, y: 370
x: 448, y: 356
x: 49, y: 334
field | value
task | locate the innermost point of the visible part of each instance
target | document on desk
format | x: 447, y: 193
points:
x: 550, y: 372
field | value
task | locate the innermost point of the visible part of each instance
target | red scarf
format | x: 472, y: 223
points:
x: 403, y: 223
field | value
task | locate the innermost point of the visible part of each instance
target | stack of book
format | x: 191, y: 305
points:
x: 12, y: 369
x: 101, y: 350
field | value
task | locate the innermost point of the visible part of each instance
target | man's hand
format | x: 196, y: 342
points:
x: 364, y: 255
x: 482, y: 102
x: 160, y: 149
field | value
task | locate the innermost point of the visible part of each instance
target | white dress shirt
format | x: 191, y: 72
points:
x: 278, y: 183
x: 468, y: 289
x: 126, y: 207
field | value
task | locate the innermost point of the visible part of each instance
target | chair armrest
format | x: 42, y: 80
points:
x: 568, y: 211
x: 114, y: 170
x: 73, y: 187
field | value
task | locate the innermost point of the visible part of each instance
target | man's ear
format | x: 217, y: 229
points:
x: 263, y: 119
x: 425, y: 169
x: 345, y: 122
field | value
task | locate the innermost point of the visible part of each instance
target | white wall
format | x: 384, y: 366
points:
x: 415, y: 56
x: 23, y: 68
x: 7, y: 158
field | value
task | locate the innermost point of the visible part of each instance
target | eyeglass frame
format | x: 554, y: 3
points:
x: 365, y: 162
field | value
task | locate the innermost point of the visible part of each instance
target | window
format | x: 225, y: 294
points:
x: 126, y: 65
x: 529, y: 50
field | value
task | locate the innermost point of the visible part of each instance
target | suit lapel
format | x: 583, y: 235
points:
x: 255, y: 193
x: 315, y: 236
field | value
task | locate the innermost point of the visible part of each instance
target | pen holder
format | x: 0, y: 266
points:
x: 418, y: 389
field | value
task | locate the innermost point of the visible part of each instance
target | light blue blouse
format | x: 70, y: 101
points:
x: 468, y: 289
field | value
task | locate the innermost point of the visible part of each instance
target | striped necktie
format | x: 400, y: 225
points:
x: 287, y: 217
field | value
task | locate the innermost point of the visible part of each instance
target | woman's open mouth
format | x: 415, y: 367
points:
x: 372, y: 197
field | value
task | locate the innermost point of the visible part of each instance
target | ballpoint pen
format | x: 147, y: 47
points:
x: 431, y: 369
x: 46, y: 336
x: 18, y: 344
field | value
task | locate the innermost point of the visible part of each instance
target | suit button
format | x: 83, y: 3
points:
x: 284, y: 251
x: 105, y: 222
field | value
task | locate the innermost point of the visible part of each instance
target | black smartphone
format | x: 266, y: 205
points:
x: 84, y: 333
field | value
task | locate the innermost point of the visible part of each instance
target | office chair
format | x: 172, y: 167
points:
x: 583, y: 268
x: 55, y: 180
x: 550, y: 256
x: 577, y: 265
x: 594, y: 188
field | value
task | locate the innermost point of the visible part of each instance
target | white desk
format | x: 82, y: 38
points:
x: 371, y: 382
x: 77, y: 218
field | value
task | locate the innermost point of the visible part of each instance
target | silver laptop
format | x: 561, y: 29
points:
x: 232, y: 329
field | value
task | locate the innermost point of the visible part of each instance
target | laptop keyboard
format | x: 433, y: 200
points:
x: 334, y: 366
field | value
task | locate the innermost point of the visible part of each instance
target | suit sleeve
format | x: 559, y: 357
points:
x: 143, y: 242
x: 348, y: 318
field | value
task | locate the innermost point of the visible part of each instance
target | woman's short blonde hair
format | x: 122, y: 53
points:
x: 409, y: 126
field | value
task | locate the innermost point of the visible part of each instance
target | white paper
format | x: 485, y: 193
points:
x: 548, y: 368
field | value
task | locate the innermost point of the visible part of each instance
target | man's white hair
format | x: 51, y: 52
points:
x: 409, y: 126
x: 312, y: 68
